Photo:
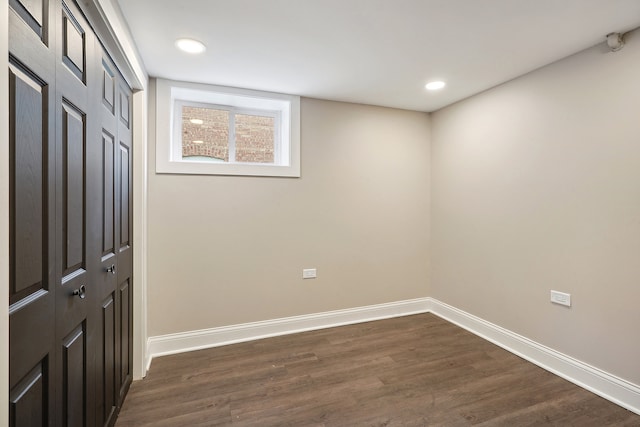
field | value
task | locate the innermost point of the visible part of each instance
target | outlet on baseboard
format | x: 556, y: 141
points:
x: 561, y: 298
x: 309, y: 273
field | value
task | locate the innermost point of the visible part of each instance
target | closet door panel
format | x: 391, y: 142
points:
x: 34, y: 13
x: 31, y: 215
x: 74, y: 377
x: 73, y: 139
x: 109, y: 351
x: 78, y: 217
x: 28, y: 399
x: 106, y: 393
x: 29, y: 151
x: 123, y: 222
x: 108, y: 196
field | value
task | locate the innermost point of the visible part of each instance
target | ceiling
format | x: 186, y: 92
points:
x: 379, y: 52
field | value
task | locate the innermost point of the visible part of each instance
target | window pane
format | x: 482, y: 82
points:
x: 205, y: 134
x: 255, y: 137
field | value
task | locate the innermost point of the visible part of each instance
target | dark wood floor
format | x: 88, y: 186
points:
x: 409, y: 371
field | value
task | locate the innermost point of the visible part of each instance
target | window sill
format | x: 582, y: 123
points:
x: 201, y: 168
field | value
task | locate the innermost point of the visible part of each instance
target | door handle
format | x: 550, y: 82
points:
x: 111, y: 269
x: 80, y: 292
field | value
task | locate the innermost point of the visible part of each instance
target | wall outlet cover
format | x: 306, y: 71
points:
x: 561, y: 298
x: 309, y: 273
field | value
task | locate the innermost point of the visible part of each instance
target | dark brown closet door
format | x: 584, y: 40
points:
x: 124, y: 289
x: 78, y: 208
x: 107, y: 340
x: 114, y: 291
x: 70, y: 210
x: 32, y: 108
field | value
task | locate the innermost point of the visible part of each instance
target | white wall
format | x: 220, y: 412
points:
x: 536, y: 186
x: 230, y: 250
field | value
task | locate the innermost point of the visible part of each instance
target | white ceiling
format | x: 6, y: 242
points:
x: 379, y: 52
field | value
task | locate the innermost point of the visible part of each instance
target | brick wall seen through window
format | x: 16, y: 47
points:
x: 205, y: 133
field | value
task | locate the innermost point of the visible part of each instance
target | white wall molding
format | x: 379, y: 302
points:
x: 215, y: 337
x: 111, y: 27
x: 602, y: 383
x: 140, y: 236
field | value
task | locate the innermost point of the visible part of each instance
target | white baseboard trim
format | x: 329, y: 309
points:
x: 195, y: 340
x: 147, y: 358
x: 608, y: 386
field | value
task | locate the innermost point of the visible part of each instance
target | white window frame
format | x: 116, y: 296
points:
x: 172, y: 95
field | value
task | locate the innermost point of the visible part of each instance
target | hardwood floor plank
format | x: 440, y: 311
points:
x: 410, y: 371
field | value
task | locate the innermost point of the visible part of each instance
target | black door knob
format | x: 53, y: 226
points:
x: 80, y: 291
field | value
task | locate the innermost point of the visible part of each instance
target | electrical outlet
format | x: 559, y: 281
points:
x: 309, y: 273
x: 561, y: 298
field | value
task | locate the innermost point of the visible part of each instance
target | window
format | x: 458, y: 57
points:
x: 219, y: 133
x: 226, y: 131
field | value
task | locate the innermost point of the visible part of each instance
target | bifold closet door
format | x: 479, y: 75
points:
x: 114, y: 290
x: 70, y: 216
x: 78, y: 208
x: 32, y: 147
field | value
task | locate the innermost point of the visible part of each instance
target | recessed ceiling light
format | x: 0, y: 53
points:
x: 198, y: 142
x: 197, y: 121
x: 190, y: 46
x: 435, y: 85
